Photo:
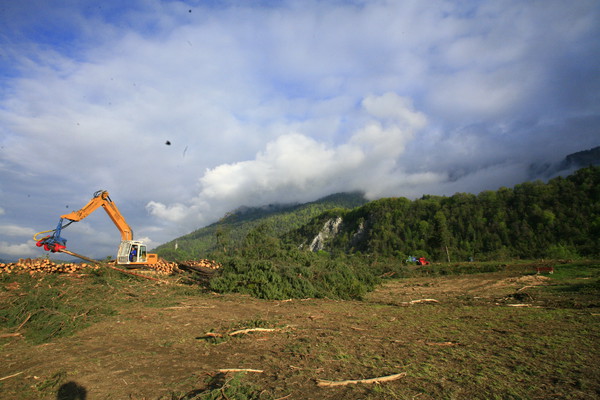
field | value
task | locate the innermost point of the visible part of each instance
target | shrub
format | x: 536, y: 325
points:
x: 276, y: 279
x: 561, y: 251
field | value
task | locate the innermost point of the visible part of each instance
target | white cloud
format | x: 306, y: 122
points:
x: 295, y: 167
x: 390, y: 106
x: 19, y: 250
x: 173, y: 212
x: 483, y: 95
x: 16, y: 230
x: 148, y: 242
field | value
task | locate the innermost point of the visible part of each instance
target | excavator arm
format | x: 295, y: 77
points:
x: 102, y: 199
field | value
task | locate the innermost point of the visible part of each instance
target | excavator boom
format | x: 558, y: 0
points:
x: 102, y: 199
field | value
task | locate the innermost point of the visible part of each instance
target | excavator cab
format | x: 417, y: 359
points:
x: 134, y: 252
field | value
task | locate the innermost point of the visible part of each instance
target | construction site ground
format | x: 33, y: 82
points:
x: 512, y: 334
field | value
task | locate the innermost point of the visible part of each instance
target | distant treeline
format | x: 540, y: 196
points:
x: 558, y: 219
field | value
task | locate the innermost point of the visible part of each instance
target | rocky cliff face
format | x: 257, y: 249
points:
x: 329, y: 230
x: 359, y: 234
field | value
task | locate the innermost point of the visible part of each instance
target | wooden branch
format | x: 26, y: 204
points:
x: 248, y: 330
x: 180, y: 307
x: 24, y: 322
x: 307, y: 369
x: 225, y: 370
x: 6, y: 335
x: 356, y: 328
x: 212, y: 334
x: 11, y: 376
x: 241, y: 332
x: 325, y: 383
x: 421, y: 301
x: 442, y: 344
x: 525, y: 287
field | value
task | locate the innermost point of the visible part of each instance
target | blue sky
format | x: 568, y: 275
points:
x: 278, y: 101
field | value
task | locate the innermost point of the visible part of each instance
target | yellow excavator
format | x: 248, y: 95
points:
x: 131, y: 252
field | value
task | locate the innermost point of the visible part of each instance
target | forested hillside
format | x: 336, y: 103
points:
x: 560, y: 218
x: 230, y: 232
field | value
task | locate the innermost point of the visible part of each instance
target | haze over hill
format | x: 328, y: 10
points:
x: 570, y: 163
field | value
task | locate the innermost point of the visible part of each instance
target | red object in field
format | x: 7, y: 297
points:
x: 545, y: 269
x: 422, y: 261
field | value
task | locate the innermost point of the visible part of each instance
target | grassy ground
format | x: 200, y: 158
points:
x: 509, y: 334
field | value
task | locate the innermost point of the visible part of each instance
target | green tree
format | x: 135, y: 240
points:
x: 441, y: 237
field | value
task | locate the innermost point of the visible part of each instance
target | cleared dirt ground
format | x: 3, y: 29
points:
x: 493, y: 335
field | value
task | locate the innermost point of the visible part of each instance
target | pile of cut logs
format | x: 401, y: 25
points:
x: 31, y: 266
x: 203, y: 270
x: 203, y: 263
x: 164, y: 267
